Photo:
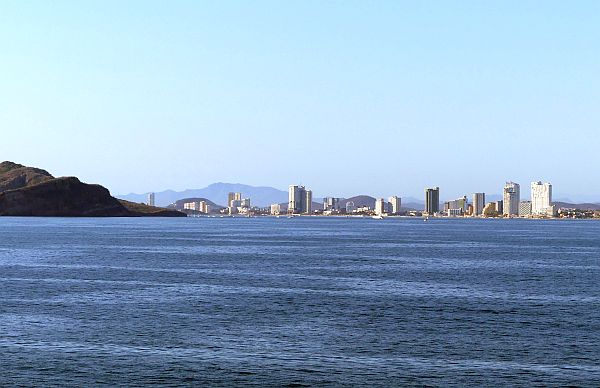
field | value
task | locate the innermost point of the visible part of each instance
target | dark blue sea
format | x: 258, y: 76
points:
x: 299, y: 302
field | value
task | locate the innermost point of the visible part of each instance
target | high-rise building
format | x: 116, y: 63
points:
x: 379, y: 206
x: 541, y: 198
x: 299, y: 200
x: 151, y: 197
x: 204, y: 207
x: 295, y: 195
x: 350, y: 207
x: 331, y: 203
x: 396, y: 203
x: 500, y: 207
x: 233, y: 197
x: 524, y: 208
x: 511, y: 198
x: 432, y: 200
x: 307, y: 203
x: 478, y: 203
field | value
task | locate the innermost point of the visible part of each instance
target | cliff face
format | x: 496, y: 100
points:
x: 26, y: 191
x: 61, y: 197
x: 15, y: 176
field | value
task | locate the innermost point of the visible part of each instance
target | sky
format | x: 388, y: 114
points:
x: 346, y: 97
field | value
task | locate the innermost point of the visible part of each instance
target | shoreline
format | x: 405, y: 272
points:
x: 306, y: 216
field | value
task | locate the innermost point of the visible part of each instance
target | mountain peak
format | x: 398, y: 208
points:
x: 7, y: 166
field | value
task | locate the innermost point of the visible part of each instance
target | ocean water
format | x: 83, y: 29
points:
x: 299, y: 302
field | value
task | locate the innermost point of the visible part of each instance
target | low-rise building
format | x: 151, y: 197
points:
x: 199, y: 206
x: 275, y: 209
x: 458, y: 207
x: 524, y: 208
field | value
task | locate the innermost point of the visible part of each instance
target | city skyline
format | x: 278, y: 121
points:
x: 483, y: 197
x: 301, y: 202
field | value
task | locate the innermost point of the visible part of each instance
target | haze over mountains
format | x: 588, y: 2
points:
x: 217, y: 193
x: 261, y: 196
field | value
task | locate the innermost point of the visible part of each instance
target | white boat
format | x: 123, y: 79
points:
x: 380, y: 217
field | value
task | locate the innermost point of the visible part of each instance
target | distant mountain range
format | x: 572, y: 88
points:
x: 580, y: 206
x: 217, y: 193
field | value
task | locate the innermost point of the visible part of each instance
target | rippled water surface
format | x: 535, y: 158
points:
x: 299, y: 302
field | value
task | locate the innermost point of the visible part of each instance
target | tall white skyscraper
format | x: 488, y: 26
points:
x: 380, y: 206
x: 295, y: 199
x: 151, y: 201
x: 512, y: 197
x: 541, y: 197
x: 478, y: 203
x: 307, y: 203
x: 396, y: 203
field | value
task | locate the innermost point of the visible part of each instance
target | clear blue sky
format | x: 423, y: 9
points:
x: 346, y: 97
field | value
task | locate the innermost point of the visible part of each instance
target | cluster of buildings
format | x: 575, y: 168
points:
x: 300, y: 201
x: 238, y: 205
x: 199, y: 206
x: 511, y: 204
x: 391, y: 207
x: 235, y: 205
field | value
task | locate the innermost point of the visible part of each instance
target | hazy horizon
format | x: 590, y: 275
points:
x: 346, y: 98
